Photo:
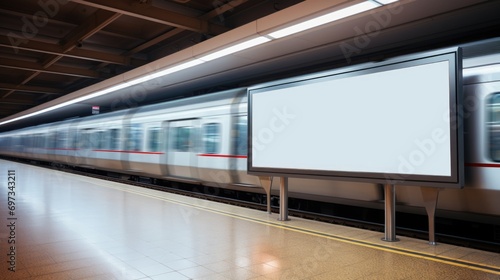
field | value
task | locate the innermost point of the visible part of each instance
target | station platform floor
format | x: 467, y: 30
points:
x: 68, y: 226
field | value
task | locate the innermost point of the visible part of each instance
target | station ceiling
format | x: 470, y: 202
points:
x: 49, y: 48
x: 52, y: 48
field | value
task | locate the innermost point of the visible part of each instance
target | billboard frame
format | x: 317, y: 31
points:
x: 456, y: 177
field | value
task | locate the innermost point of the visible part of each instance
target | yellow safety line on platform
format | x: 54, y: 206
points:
x: 353, y: 241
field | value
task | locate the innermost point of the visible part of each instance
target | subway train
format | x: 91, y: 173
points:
x: 203, y: 140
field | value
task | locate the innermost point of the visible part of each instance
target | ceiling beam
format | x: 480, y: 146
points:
x: 154, y: 14
x: 53, y: 49
x: 222, y: 9
x: 155, y: 41
x: 215, y: 12
x: 34, y: 89
x: 54, y: 69
x: 89, y: 27
x: 18, y: 101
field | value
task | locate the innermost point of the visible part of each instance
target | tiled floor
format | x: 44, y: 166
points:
x: 73, y: 227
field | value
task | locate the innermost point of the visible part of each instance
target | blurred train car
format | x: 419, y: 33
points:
x: 203, y: 140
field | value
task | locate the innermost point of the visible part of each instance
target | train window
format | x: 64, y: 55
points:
x: 98, y: 141
x: 240, y: 137
x: 93, y: 140
x: 52, y: 140
x: 61, y: 139
x: 3, y: 143
x: 36, y: 141
x: 72, y: 139
x: 211, y: 138
x: 134, y: 138
x: 106, y: 139
x: 8, y: 143
x: 43, y: 141
x: 154, y: 139
x: 102, y: 140
x: 494, y: 126
x: 16, y: 143
x: 78, y: 141
x: 31, y: 140
x: 182, y: 140
x: 58, y: 140
x: 114, y: 139
x: 25, y: 141
x: 85, y: 141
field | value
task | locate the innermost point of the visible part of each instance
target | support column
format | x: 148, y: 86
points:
x: 390, y: 213
x: 283, y: 199
x: 430, y: 196
x: 266, y: 183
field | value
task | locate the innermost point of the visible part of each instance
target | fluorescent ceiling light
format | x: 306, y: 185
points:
x: 33, y: 114
x: 123, y: 85
x: 236, y: 48
x: 330, y: 17
x: 385, y: 2
x: 173, y: 69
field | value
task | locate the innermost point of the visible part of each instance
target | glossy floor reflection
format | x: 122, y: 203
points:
x: 73, y: 227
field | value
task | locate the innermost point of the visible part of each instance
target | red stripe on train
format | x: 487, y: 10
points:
x: 221, y: 156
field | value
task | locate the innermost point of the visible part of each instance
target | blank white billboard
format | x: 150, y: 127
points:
x: 395, y: 121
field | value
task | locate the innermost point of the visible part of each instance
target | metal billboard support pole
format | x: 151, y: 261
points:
x: 283, y: 199
x: 430, y: 196
x: 266, y: 183
x: 390, y: 213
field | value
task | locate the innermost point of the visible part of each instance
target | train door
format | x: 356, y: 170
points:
x: 182, y: 148
x: 73, y: 142
x: 214, y: 156
x: 51, y: 146
x: 84, y: 146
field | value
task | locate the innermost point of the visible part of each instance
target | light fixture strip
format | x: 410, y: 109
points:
x: 123, y: 85
x: 324, y: 19
x: 385, y: 2
x: 236, y: 48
